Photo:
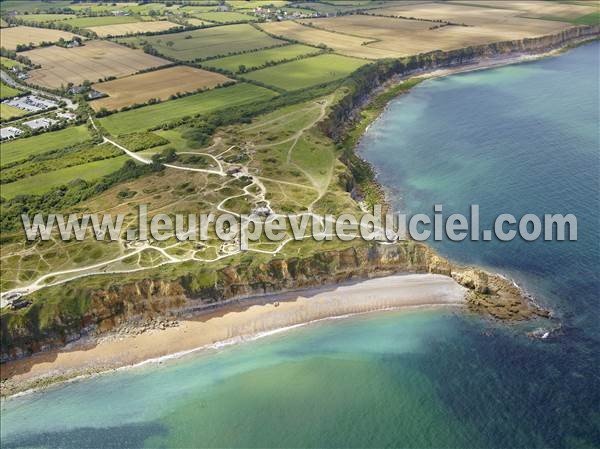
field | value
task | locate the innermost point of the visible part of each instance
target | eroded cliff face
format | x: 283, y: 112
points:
x: 148, y: 299
x: 365, y: 80
x: 101, y: 310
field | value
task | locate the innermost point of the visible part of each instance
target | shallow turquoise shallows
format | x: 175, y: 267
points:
x: 517, y: 139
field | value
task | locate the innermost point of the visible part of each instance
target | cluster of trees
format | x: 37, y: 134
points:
x: 64, y: 43
x: 441, y: 22
x: 10, y: 54
x: 200, y: 134
x: 63, y: 158
x: 30, y: 45
x: 166, y: 156
x: 58, y: 25
x: 139, y: 141
x: 61, y: 43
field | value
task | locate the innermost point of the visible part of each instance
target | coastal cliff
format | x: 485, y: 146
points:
x: 97, y: 308
x: 367, y: 79
x: 36, y: 329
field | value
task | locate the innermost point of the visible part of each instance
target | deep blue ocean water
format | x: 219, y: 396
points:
x: 517, y: 139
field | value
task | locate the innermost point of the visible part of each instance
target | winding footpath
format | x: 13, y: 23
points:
x: 227, y: 249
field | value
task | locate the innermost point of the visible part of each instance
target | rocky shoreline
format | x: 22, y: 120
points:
x: 135, y: 344
x: 150, y: 302
x: 145, y: 301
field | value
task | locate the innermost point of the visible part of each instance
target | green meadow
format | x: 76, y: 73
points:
x: 85, y: 22
x: 132, y: 8
x: 44, y: 18
x: 9, y: 63
x: 588, y: 19
x: 42, y: 143
x: 8, y: 92
x: 193, y: 9
x: 225, y: 17
x: 205, y: 102
x: 251, y: 4
x: 33, y: 5
x: 7, y: 112
x: 207, y: 42
x: 38, y: 184
x: 259, y: 58
x: 307, y: 72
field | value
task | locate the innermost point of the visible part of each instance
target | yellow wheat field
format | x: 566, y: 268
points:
x: 93, y: 62
x: 13, y: 36
x: 373, y: 36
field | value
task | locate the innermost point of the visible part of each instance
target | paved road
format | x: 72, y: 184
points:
x: 6, y: 79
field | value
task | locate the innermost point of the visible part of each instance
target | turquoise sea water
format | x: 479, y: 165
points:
x: 517, y: 139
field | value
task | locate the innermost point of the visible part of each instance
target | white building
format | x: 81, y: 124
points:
x: 10, y: 132
x: 66, y: 115
x: 40, y: 123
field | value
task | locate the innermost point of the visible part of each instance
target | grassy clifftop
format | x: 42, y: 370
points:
x: 280, y: 148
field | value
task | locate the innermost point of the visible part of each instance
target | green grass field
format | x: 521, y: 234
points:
x: 197, y: 9
x: 340, y: 7
x: 7, y: 92
x: 7, y: 112
x: 80, y: 155
x: 9, y: 63
x: 85, y: 22
x: 133, y: 8
x: 225, y: 17
x: 38, y: 184
x: 307, y: 72
x: 44, y: 18
x: 251, y: 4
x: 257, y: 59
x: 33, y: 5
x: 205, y: 102
x: 298, y: 10
x: 588, y: 19
x: 42, y: 143
x: 208, y: 42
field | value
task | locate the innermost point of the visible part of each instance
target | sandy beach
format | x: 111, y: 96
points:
x: 241, y: 320
x: 234, y: 322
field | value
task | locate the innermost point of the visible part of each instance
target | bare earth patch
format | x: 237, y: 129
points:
x: 94, y: 61
x: 159, y: 84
